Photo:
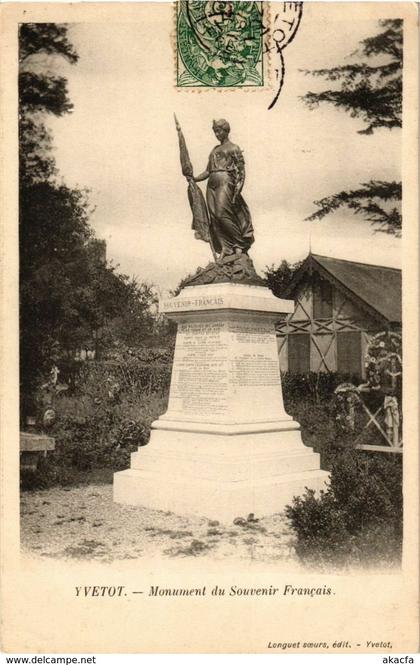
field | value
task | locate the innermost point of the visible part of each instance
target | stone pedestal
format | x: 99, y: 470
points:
x: 225, y: 447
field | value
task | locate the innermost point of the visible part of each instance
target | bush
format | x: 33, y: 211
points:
x: 309, y: 398
x: 85, y: 445
x: 320, y: 528
x: 368, y: 486
x: 312, y: 386
x: 358, y: 519
x: 130, y: 372
x: 98, y: 442
x: 46, y: 474
x: 98, y: 427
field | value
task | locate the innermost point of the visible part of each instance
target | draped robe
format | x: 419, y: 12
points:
x: 230, y: 221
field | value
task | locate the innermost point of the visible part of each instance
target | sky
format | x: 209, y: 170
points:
x: 120, y: 143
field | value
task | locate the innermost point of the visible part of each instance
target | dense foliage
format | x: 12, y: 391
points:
x: 104, y: 418
x: 358, y: 519
x: 370, y: 88
x: 368, y: 201
x: 70, y: 296
x: 279, y: 279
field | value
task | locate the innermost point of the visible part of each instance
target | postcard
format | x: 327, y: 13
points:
x: 209, y: 327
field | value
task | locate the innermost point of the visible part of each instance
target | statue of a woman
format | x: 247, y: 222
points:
x: 230, y: 220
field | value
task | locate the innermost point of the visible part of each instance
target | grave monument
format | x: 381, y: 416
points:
x: 225, y: 446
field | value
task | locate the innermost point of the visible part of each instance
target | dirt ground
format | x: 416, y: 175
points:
x: 83, y: 523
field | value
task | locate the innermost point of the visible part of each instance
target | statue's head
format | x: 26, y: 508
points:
x: 221, y: 128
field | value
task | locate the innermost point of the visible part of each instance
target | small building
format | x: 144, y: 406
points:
x: 339, y: 305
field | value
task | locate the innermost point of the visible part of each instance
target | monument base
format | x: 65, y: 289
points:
x: 219, y: 476
x: 225, y: 447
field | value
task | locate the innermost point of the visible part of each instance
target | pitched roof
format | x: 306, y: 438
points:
x: 378, y: 287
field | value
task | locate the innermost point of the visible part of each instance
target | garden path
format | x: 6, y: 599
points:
x: 83, y: 523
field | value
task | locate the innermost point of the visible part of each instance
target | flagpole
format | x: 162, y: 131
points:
x: 187, y: 171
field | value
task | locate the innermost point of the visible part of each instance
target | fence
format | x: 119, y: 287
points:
x: 375, y: 406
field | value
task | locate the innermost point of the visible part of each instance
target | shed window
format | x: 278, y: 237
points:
x: 299, y: 353
x: 349, y: 353
x: 323, y: 299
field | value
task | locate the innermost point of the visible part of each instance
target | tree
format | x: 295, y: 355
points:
x: 369, y: 200
x: 54, y: 270
x: 40, y: 93
x: 47, y: 38
x: 278, y: 279
x: 371, y: 91
x: 69, y: 295
x: 119, y: 308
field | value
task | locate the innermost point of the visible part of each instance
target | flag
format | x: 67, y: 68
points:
x: 200, y: 221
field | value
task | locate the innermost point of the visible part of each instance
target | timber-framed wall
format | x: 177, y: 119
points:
x: 331, y: 325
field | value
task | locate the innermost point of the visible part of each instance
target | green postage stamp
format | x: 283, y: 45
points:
x: 219, y: 44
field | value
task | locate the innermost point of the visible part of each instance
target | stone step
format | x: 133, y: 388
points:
x: 218, y: 500
x: 227, y: 468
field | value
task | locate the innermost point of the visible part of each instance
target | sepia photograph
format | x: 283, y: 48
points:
x: 214, y: 232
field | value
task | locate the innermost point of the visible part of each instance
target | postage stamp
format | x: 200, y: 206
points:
x: 220, y: 44
x: 228, y: 45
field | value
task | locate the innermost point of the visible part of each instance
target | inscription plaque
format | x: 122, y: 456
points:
x: 226, y: 371
x: 200, y: 381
